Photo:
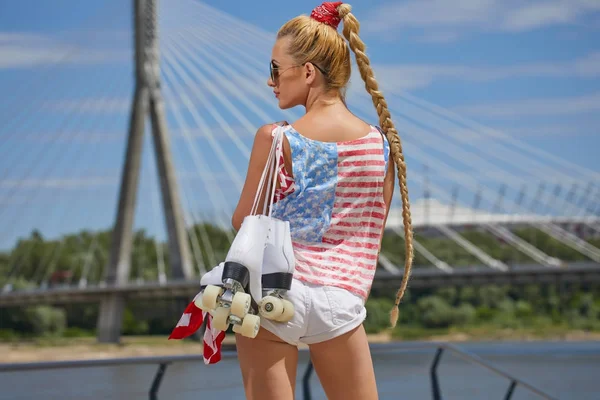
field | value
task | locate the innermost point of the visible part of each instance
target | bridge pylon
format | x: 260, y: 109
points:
x: 147, y: 101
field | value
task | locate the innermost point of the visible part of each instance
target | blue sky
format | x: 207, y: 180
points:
x: 528, y: 69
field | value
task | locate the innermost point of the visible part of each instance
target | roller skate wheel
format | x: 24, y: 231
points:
x: 237, y: 328
x: 240, y: 304
x: 220, y: 319
x: 210, y: 297
x: 198, y: 302
x: 249, y: 327
x: 271, y: 307
x: 288, y: 311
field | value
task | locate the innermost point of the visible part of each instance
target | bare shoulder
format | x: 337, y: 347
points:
x: 264, y: 135
x: 264, y: 131
x: 267, y: 130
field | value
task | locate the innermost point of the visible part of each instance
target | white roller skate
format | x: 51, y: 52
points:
x: 212, y: 277
x: 234, y: 300
x: 277, y: 273
x: 261, y: 239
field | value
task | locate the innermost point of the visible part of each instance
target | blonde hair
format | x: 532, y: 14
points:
x: 320, y: 44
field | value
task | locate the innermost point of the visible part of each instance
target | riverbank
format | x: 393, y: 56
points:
x: 60, y: 349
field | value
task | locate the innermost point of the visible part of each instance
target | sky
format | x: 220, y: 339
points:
x: 530, y: 70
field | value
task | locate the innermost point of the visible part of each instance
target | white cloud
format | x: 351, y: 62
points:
x: 429, y: 13
x: 438, y: 37
x: 85, y: 182
x: 20, y: 50
x: 551, y: 131
x: 61, y: 183
x: 98, y: 105
x: 173, y: 99
x: 15, y: 200
x: 537, y: 15
x: 444, y: 16
x: 541, y: 130
x: 588, y: 66
x: 532, y: 107
x: 409, y: 77
x: 75, y: 137
x: 103, y: 105
x: 175, y: 132
x: 22, y: 38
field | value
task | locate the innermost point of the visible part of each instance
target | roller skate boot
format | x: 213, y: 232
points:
x: 277, y: 273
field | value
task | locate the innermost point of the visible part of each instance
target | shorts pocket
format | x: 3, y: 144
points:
x: 344, y: 305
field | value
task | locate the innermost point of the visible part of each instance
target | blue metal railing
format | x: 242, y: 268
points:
x: 164, y: 361
x: 472, y: 358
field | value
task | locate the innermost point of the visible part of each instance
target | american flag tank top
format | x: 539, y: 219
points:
x: 335, y: 207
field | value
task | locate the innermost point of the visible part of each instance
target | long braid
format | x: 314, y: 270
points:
x: 351, y: 30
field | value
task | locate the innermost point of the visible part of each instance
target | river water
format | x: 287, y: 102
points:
x: 564, y: 370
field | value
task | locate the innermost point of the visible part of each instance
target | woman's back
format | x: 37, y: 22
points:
x: 335, y: 202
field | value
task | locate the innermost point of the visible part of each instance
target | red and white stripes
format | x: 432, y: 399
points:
x: 347, y: 255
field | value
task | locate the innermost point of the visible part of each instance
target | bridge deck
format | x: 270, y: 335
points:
x: 421, y: 278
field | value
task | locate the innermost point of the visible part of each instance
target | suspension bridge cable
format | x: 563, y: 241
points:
x: 54, y: 161
x: 207, y: 105
x: 261, y: 36
x: 215, y: 194
x: 84, y: 173
x: 49, y: 171
x: 199, y: 120
x: 24, y: 87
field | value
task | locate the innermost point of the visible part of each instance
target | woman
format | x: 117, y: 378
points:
x: 335, y: 187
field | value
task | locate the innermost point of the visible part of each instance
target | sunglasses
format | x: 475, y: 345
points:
x: 276, y: 73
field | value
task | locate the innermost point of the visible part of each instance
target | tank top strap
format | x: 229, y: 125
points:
x: 386, y: 147
x: 286, y: 181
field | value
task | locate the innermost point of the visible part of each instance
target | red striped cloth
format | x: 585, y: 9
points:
x: 190, y: 321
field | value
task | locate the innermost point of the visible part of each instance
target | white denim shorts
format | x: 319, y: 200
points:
x: 321, y: 313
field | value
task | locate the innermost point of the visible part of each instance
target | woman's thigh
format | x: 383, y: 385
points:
x: 345, y: 367
x: 268, y: 366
